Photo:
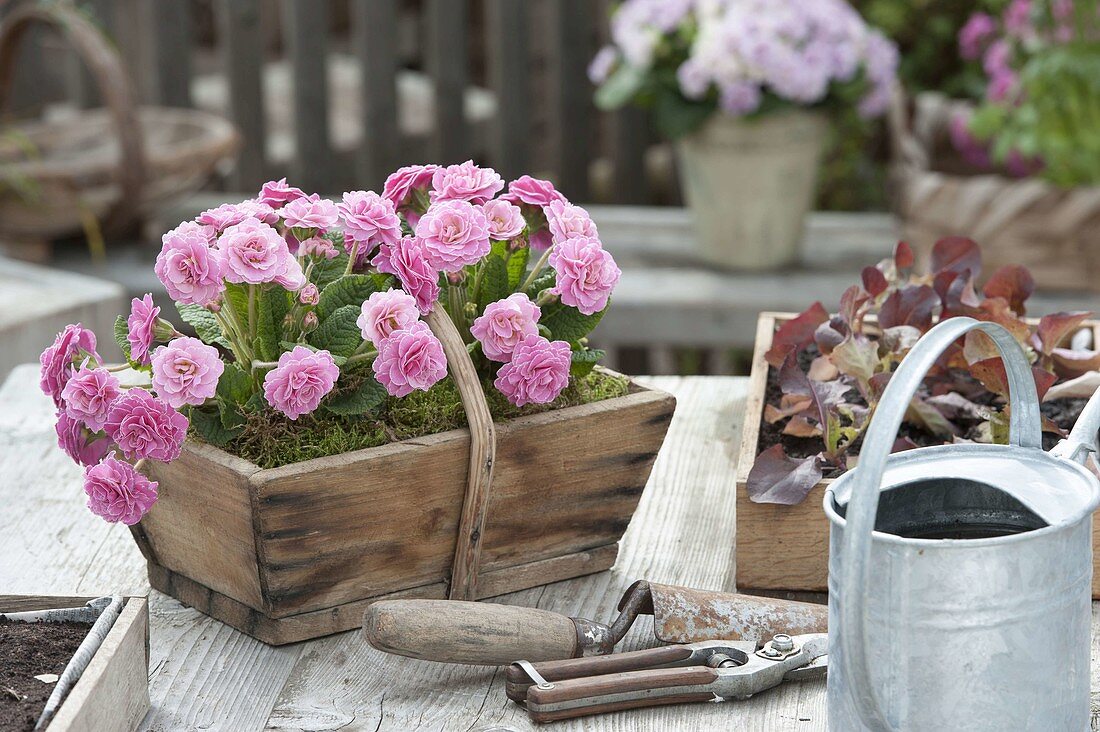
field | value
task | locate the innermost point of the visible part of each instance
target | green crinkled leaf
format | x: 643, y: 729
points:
x: 235, y: 385
x: 366, y: 398
x: 544, y: 281
x: 584, y: 361
x: 326, y: 270
x: 232, y: 417
x: 288, y: 346
x: 567, y: 323
x: 339, y: 333
x: 273, y: 303
x: 350, y: 289
x: 210, y: 428
x: 494, y: 281
x: 236, y: 296
x: 517, y: 267
x: 204, y: 323
x: 121, y: 332
x: 621, y: 86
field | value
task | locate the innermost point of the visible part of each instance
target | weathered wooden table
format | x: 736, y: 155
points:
x: 205, y: 675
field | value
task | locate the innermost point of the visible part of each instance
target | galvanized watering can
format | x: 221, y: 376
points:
x: 968, y: 608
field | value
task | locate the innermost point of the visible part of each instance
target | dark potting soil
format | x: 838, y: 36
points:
x: 28, y: 650
x: 1063, y: 412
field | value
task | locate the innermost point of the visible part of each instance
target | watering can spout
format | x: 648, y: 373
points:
x: 1082, y: 440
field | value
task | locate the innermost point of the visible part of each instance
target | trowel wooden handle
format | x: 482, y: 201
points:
x: 468, y: 632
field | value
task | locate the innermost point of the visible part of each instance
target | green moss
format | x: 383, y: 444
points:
x: 271, y: 440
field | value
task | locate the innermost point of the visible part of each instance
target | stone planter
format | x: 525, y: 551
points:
x: 750, y: 184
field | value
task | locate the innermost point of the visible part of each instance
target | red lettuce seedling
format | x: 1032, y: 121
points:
x: 832, y: 369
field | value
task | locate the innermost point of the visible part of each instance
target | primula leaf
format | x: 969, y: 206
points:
x: 493, y: 284
x: 910, y: 305
x: 350, y: 289
x: 776, y: 478
x: 209, y: 426
x: 544, y: 281
x: 204, y: 323
x: 121, y: 332
x: 326, y: 270
x: 568, y: 324
x: 1013, y: 283
x: 236, y: 296
x: 583, y: 361
x: 231, y: 415
x: 517, y: 267
x: 235, y: 385
x: 1057, y: 327
x: 795, y: 334
x: 367, y: 397
x: 957, y: 254
x: 272, y: 305
x: 339, y: 333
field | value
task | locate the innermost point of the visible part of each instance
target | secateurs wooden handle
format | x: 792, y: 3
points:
x: 489, y: 634
x: 708, y: 671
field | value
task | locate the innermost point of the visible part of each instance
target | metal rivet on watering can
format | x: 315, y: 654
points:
x: 958, y: 561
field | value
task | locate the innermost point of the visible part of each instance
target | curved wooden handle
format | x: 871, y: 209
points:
x: 615, y: 692
x: 483, y: 446
x: 111, y: 78
x: 468, y: 632
x: 517, y: 682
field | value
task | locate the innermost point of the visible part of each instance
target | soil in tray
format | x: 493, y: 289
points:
x: 1063, y: 412
x: 28, y: 650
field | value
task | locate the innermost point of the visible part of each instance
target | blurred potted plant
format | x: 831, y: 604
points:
x: 1019, y: 168
x: 308, y: 452
x: 742, y: 88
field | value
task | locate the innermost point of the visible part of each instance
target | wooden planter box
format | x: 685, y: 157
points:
x: 787, y: 547
x: 299, y: 551
x: 112, y: 695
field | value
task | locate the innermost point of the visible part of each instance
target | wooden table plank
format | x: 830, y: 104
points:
x: 205, y: 675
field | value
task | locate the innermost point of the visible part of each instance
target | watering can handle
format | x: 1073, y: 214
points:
x: 1082, y: 438
x: 1024, y: 431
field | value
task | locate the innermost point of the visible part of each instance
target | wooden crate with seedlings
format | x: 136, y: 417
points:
x: 112, y: 694
x: 786, y: 548
x: 299, y: 551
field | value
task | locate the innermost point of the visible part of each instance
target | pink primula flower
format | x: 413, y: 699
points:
x: 410, y: 359
x: 117, y: 492
x: 369, y: 220
x: 408, y: 261
x: 465, y: 182
x: 276, y: 193
x: 532, y: 191
x: 311, y: 212
x: 505, y: 220
x: 385, y: 312
x: 146, y: 427
x: 537, y: 373
x: 309, y: 295
x: 80, y: 443
x: 59, y: 360
x: 89, y: 394
x: 186, y: 371
x: 454, y: 234
x: 221, y: 218
x: 974, y: 35
x: 401, y: 183
x: 586, y: 274
x: 141, y: 328
x: 301, y: 380
x: 254, y: 252
x: 567, y: 221
x: 318, y: 246
x: 189, y: 268
x: 504, y: 324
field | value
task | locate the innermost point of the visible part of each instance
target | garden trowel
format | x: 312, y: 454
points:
x: 489, y: 634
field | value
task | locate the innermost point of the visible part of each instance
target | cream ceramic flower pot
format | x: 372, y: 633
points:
x: 750, y: 184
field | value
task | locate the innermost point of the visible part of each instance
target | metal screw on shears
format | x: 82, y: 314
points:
x: 781, y: 644
x: 722, y: 660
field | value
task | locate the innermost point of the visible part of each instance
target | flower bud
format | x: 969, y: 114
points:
x: 456, y: 278
x: 302, y: 234
x: 309, y: 322
x: 164, y: 331
x: 309, y: 295
x: 470, y: 310
x: 288, y: 321
x: 214, y: 306
x: 514, y: 245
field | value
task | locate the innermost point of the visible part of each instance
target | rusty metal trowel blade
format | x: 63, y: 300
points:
x: 685, y: 615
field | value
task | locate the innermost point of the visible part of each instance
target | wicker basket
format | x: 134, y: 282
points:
x: 1054, y: 232
x: 114, y: 164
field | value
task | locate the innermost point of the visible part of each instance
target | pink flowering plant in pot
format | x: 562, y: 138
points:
x: 744, y: 87
x: 310, y: 317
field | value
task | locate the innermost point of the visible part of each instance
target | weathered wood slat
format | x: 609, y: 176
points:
x: 172, y: 44
x: 572, y: 94
x: 630, y: 140
x: 241, y: 41
x: 509, y: 76
x: 447, y: 62
x: 374, y: 24
x: 306, y: 29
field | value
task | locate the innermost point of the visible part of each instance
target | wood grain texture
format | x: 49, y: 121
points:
x: 373, y: 23
x: 787, y: 547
